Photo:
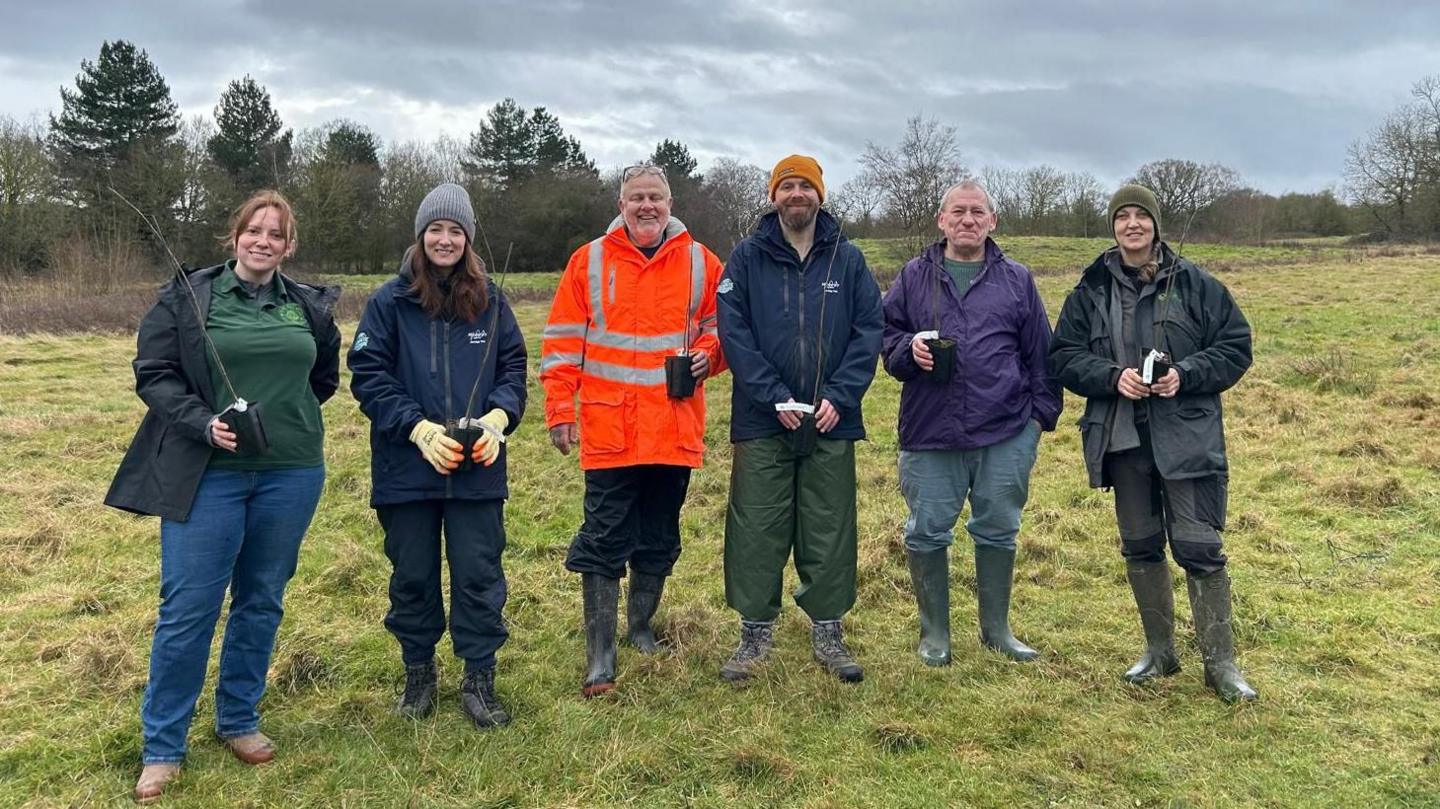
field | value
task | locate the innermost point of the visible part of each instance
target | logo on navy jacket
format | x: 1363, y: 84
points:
x: 831, y: 287
x: 478, y: 336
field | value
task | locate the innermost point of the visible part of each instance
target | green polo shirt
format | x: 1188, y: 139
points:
x: 265, y: 342
x: 963, y: 272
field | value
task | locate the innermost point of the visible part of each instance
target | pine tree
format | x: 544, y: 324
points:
x: 119, y: 116
x: 248, y: 144
x: 674, y: 157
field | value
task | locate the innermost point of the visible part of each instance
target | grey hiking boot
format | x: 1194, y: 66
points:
x: 1210, y: 603
x: 1151, y: 583
x: 418, y: 700
x: 477, y: 699
x: 640, y: 605
x: 994, y: 573
x: 756, y: 639
x: 601, y: 603
x: 828, y: 643
x: 930, y: 578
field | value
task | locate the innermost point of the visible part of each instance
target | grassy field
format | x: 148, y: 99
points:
x: 1334, y: 540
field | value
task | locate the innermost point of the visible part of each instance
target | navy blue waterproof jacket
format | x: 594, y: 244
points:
x: 1002, y: 337
x: 769, y: 306
x: 406, y: 366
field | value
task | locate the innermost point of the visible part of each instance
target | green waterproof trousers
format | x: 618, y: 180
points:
x: 779, y: 502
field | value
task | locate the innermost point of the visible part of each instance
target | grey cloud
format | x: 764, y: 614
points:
x: 1275, y: 90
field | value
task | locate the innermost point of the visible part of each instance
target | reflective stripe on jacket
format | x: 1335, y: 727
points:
x: 615, y: 318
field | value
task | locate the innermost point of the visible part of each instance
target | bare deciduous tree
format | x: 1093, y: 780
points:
x: 912, y: 175
x: 1394, y: 173
x: 1185, y: 188
x: 736, y: 195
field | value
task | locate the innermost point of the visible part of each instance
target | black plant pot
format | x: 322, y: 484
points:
x: 679, y: 381
x: 803, y: 438
x: 942, y: 350
x: 466, y: 436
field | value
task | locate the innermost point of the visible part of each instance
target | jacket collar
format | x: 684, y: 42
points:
x: 934, y: 254
x: 771, y: 237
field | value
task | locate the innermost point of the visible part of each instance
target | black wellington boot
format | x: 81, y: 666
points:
x: 602, y: 603
x: 1210, y: 603
x: 640, y: 604
x: 930, y: 578
x: 1151, y: 584
x: 994, y: 568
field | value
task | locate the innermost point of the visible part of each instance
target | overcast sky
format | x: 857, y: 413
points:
x: 1276, y: 90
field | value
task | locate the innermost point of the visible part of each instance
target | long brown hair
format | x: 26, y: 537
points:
x: 469, y: 294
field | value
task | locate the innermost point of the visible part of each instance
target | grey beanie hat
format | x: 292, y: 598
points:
x: 1139, y: 195
x: 447, y: 201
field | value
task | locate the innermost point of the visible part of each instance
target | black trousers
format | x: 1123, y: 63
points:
x: 632, y: 516
x: 1152, y: 510
x: 474, y: 541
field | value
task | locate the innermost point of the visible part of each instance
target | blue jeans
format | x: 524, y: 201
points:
x: 996, y: 480
x: 243, y: 534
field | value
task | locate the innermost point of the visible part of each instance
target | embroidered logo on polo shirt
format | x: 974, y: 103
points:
x: 291, y: 313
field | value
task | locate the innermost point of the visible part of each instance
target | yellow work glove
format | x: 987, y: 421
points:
x: 487, y: 447
x: 438, y: 449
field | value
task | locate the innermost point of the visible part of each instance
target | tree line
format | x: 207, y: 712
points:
x: 539, y: 196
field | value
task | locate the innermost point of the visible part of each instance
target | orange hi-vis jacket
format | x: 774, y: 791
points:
x: 615, y: 318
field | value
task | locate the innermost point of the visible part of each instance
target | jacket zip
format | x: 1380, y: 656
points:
x: 804, y: 341
x: 448, y: 479
x: 433, y: 368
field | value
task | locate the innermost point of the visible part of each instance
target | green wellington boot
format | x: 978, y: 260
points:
x: 640, y: 604
x: 602, y: 602
x: 1151, y: 584
x: 930, y: 578
x: 1210, y: 602
x: 994, y: 569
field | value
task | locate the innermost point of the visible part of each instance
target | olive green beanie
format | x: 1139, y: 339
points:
x: 1135, y: 194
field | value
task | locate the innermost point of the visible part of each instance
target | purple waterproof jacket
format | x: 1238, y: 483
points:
x: 1002, y: 337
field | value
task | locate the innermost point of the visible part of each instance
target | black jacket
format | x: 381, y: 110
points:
x: 162, y: 468
x: 1207, y: 337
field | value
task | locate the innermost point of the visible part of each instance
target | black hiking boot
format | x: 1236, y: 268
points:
x: 418, y: 700
x: 1210, y: 603
x: 756, y: 639
x: 601, y: 603
x: 827, y: 641
x: 1151, y: 584
x: 477, y: 698
x: 640, y: 604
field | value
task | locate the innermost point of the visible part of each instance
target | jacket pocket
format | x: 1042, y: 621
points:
x: 690, y: 422
x: 602, y: 419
